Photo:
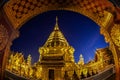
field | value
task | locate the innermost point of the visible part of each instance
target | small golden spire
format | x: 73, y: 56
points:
x: 56, y: 25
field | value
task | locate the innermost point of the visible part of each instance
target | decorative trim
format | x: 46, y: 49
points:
x: 115, y: 35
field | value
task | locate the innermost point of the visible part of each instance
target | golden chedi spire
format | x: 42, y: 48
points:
x: 56, y: 46
x: 56, y: 38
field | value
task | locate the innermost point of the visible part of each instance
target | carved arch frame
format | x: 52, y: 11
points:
x: 18, y: 13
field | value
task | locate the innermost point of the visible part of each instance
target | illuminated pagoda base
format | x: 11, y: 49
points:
x: 56, y: 61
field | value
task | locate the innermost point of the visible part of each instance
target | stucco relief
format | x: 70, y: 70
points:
x: 3, y: 37
x: 115, y: 35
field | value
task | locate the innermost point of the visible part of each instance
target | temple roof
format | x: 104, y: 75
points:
x: 56, y: 38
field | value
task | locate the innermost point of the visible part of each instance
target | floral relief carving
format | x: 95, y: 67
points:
x: 3, y: 36
x: 115, y: 35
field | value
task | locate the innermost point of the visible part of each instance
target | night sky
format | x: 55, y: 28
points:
x: 81, y: 33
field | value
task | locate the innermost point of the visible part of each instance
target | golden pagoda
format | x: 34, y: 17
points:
x: 56, y: 62
x: 55, y: 55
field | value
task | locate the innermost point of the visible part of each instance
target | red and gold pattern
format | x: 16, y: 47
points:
x: 20, y: 11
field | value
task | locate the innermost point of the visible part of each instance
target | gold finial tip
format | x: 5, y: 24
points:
x: 56, y: 19
x: 56, y: 26
x: 81, y: 55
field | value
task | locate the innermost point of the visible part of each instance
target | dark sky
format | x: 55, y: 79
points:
x: 81, y: 33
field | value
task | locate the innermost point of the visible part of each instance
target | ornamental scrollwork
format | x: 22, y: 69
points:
x: 115, y: 35
x: 3, y: 37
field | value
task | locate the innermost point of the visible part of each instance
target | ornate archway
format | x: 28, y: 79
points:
x: 15, y: 13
